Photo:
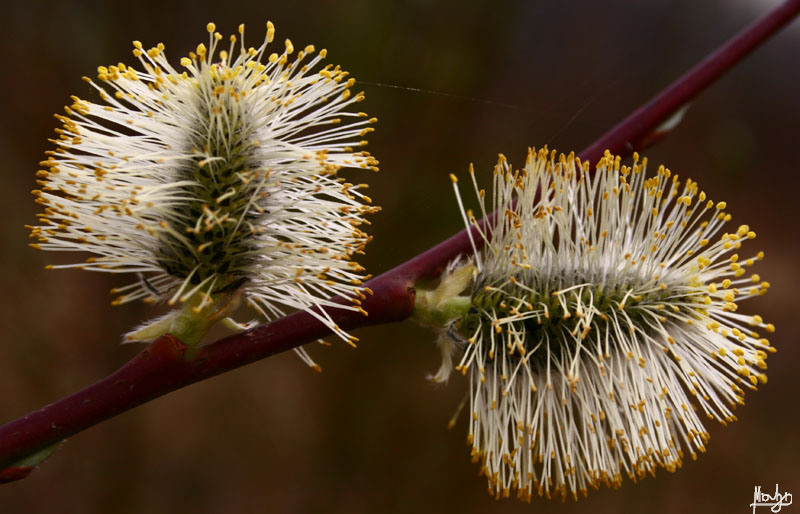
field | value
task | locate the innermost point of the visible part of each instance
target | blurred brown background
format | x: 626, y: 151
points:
x: 369, y: 433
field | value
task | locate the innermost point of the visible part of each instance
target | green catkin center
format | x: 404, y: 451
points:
x: 211, y: 235
x: 572, y: 317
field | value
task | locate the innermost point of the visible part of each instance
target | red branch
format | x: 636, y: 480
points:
x: 164, y: 366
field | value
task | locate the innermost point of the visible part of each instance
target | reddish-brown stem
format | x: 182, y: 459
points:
x: 164, y: 365
x: 637, y: 130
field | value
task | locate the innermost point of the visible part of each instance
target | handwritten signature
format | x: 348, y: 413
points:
x: 777, y: 501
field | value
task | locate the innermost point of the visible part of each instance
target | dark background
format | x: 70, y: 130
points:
x: 369, y: 433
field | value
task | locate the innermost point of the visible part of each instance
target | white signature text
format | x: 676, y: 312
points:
x: 777, y: 501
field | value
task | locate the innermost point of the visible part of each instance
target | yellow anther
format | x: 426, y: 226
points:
x: 211, y: 27
x: 721, y: 205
